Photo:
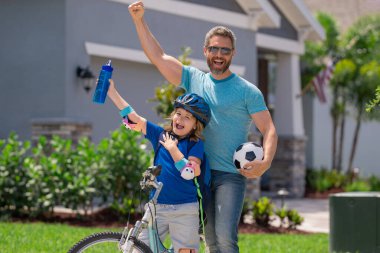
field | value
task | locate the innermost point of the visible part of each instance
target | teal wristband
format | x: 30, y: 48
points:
x: 127, y: 110
x: 181, y: 163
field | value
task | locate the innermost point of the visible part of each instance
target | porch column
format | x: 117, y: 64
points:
x: 288, y: 108
x: 288, y: 167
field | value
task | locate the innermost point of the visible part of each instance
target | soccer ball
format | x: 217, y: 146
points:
x: 247, y: 152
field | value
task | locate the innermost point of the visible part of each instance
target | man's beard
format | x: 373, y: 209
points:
x: 218, y: 71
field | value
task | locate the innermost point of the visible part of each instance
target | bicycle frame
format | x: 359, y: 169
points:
x: 148, y: 220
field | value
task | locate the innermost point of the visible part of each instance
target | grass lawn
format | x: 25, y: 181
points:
x: 42, y: 237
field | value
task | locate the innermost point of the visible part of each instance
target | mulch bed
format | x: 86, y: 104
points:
x: 321, y: 195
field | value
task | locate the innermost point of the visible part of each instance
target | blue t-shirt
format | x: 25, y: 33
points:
x: 176, y: 190
x: 232, y: 101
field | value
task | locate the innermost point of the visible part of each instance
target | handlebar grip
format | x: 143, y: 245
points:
x: 156, y: 170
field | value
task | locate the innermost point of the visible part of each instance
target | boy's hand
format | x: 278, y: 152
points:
x: 195, y: 165
x: 136, y: 10
x: 169, y: 142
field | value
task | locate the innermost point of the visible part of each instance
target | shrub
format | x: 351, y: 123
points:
x: 61, y: 175
x: 282, y: 213
x: 13, y: 176
x: 358, y: 186
x: 374, y: 183
x: 317, y: 180
x: 323, y: 179
x: 125, y: 157
x: 336, y: 178
x: 294, y: 219
x: 55, y: 173
x: 262, y: 210
x: 85, y: 176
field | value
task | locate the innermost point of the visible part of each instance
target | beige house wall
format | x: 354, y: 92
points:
x: 346, y: 12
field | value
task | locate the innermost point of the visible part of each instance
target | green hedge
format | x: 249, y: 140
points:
x: 321, y: 180
x: 33, y: 180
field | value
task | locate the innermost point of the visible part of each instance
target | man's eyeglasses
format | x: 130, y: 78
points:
x: 223, y: 50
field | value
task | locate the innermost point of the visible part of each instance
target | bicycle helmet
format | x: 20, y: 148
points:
x: 196, y: 105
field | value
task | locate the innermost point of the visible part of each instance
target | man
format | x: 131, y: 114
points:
x: 234, y: 104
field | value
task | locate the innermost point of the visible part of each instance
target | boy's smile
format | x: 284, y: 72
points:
x: 183, y: 122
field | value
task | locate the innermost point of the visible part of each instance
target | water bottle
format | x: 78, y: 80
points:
x: 103, y: 84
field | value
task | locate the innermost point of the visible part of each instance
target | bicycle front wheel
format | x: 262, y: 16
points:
x: 106, y: 242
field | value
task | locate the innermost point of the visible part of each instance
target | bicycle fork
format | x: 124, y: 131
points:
x: 126, y: 243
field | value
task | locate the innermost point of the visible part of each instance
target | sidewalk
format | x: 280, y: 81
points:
x: 314, y: 211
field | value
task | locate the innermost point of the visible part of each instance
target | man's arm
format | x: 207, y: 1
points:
x: 264, y: 123
x: 170, y: 67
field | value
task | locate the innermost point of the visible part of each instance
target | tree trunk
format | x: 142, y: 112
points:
x: 335, y: 117
x: 356, y: 135
x: 341, y: 138
x: 334, y: 137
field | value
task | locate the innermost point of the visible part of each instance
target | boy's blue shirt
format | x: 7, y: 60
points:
x: 176, y: 190
x: 232, y: 101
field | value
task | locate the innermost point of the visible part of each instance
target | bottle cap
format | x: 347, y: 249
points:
x: 108, y: 66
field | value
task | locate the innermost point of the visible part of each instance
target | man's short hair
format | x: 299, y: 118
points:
x: 220, y: 31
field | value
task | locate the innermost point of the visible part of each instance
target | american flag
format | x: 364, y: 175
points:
x: 322, y: 80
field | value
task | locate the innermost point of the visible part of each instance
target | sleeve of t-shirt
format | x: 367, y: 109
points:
x: 153, y: 133
x: 254, y: 99
x: 187, y: 74
x: 197, y: 150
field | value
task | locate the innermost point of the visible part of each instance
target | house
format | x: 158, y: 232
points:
x: 44, y: 42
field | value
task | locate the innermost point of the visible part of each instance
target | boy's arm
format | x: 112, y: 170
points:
x: 171, y: 146
x: 169, y: 67
x: 120, y: 103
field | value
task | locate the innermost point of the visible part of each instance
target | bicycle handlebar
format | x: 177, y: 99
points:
x: 149, y: 177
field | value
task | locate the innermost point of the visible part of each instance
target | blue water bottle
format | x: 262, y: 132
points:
x: 103, y: 84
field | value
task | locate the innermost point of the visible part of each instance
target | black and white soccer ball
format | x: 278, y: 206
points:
x: 247, y: 152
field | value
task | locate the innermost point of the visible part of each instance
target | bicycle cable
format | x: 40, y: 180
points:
x: 139, y: 205
x: 155, y: 224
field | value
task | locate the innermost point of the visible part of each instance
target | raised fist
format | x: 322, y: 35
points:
x: 136, y: 10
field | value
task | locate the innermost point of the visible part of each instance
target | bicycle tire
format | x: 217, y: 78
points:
x: 108, y: 240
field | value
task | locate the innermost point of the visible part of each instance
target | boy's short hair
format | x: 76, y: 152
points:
x: 220, y: 31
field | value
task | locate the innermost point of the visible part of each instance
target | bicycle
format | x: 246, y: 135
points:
x: 127, y: 241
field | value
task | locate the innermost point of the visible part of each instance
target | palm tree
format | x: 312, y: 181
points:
x: 375, y: 102
x: 314, y: 60
x: 361, y: 48
x: 343, y: 75
x: 362, y: 91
